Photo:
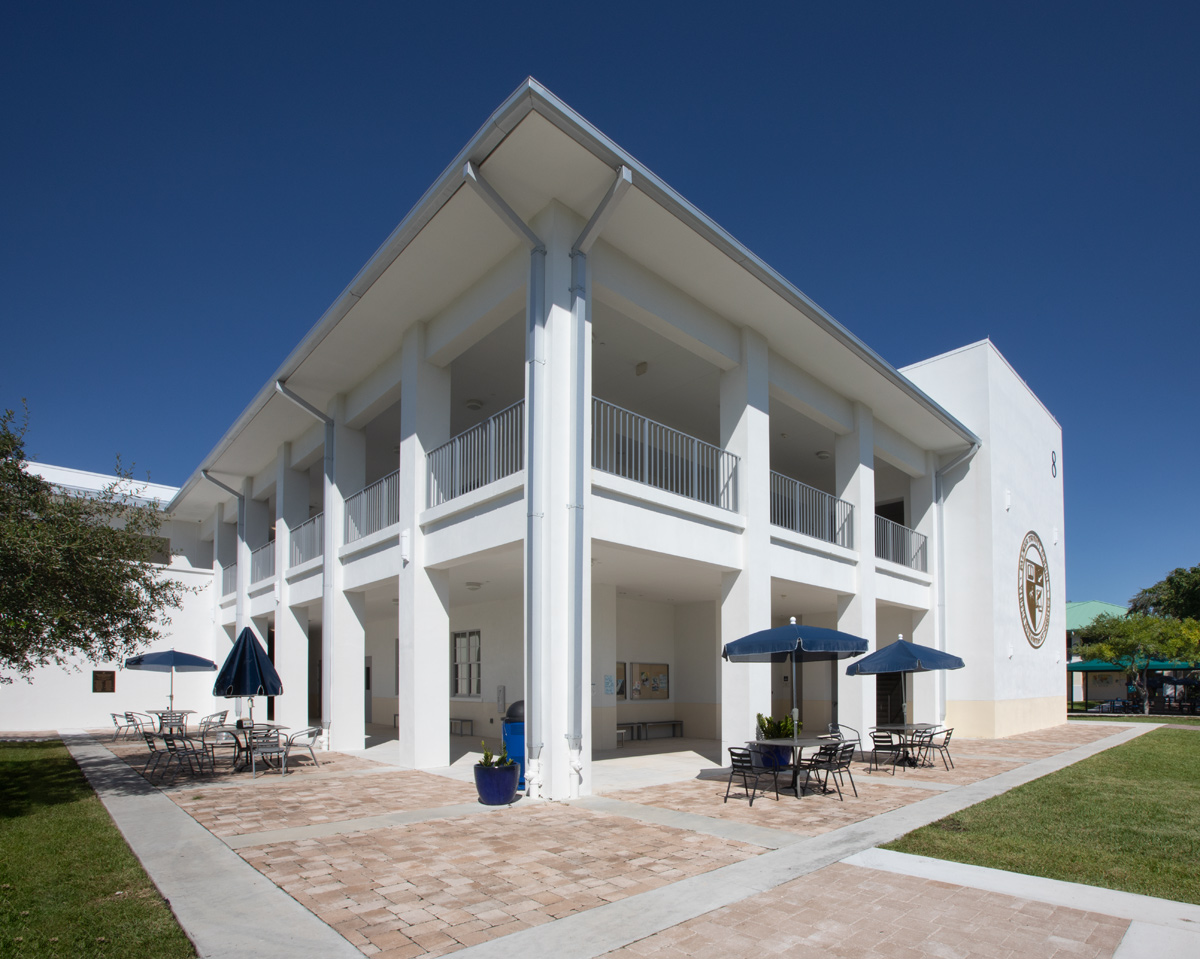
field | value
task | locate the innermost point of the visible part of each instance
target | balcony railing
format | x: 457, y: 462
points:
x: 374, y: 508
x: 902, y: 545
x: 637, y: 448
x: 812, y: 512
x: 262, y: 563
x: 228, y: 579
x: 308, y: 540
x: 483, y: 454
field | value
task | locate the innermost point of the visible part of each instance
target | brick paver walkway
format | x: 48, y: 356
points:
x: 849, y: 911
x: 437, y: 886
x: 441, y: 883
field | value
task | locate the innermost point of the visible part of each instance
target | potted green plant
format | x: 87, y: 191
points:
x: 496, y: 777
x: 771, y: 728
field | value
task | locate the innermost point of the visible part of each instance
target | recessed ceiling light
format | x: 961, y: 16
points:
x: 823, y: 454
x: 473, y: 586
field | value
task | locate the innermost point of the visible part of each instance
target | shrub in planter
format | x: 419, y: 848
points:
x: 496, y: 777
x: 771, y: 728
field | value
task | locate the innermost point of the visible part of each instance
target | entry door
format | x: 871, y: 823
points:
x: 367, y: 693
x: 889, y: 700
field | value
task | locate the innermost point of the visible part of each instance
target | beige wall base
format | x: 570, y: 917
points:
x: 978, y: 719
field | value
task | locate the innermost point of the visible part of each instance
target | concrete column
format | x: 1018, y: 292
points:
x: 927, y: 706
x: 343, y: 632
x: 854, y: 471
x: 604, y: 660
x: 746, y: 594
x: 558, y: 627
x: 243, y: 561
x: 221, y: 552
x: 291, y: 625
x: 423, y: 626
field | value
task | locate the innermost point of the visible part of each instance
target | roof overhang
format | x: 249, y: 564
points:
x: 535, y: 150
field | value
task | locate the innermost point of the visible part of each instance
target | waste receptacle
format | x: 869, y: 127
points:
x: 513, y: 731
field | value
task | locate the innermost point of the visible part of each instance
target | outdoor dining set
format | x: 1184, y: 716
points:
x: 895, y: 744
x: 196, y: 751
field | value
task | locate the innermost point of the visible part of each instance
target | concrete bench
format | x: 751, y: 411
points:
x: 675, y: 725
x: 631, y: 730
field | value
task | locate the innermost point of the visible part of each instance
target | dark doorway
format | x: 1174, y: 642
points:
x: 889, y: 698
x: 271, y: 657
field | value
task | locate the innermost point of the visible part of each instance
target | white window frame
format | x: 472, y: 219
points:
x: 473, y: 680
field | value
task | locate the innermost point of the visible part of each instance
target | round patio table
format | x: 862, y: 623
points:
x: 798, y: 745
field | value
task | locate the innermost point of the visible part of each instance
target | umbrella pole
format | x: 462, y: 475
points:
x: 171, y: 695
x: 795, y: 711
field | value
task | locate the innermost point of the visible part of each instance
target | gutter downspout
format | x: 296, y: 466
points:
x: 579, y: 565
x: 329, y: 557
x: 940, y: 493
x: 535, y: 485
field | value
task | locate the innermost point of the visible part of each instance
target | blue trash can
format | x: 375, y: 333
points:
x: 513, y: 731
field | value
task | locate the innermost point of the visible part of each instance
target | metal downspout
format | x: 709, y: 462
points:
x: 940, y: 492
x: 580, y: 564
x: 329, y: 556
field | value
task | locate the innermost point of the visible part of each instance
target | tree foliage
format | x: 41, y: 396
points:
x: 76, y: 578
x: 1134, y: 640
x: 1176, y: 596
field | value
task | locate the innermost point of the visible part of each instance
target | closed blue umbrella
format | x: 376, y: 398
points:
x: 247, y: 671
x: 792, y: 642
x: 170, y: 661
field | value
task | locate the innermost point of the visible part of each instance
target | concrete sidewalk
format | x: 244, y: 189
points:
x: 398, y: 863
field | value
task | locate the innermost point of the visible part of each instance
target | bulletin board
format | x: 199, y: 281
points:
x: 649, y: 681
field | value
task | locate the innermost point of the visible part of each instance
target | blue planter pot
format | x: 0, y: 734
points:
x: 497, y: 785
x: 778, y: 756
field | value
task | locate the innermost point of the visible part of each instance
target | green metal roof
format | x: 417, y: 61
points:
x: 1101, y: 666
x: 1082, y: 614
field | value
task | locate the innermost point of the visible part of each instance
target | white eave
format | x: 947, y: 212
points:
x: 739, y: 285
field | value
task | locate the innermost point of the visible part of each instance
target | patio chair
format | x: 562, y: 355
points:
x: 741, y: 765
x: 305, y: 739
x: 943, y: 746
x: 181, y: 750
x: 919, y: 746
x: 156, y: 755
x: 834, y: 762
x: 847, y: 734
x: 123, y: 723
x: 173, y: 722
x: 214, y: 737
x: 263, y: 743
x: 213, y: 719
x: 882, y: 741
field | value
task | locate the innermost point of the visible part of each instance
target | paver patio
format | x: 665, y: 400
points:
x: 439, y: 883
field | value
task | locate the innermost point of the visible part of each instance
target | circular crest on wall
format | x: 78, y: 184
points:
x: 1033, y: 589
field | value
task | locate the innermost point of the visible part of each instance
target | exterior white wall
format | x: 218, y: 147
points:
x: 1009, y: 490
x: 501, y: 632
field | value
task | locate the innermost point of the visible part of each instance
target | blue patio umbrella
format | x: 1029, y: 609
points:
x: 170, y: 661
x: 792, y: 642
x: 904, y: 657
x: 247, y: 671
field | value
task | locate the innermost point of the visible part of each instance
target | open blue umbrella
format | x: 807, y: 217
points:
x: 792, y: 642
x: 170, y: 661
x: 904, y: 657
x: 247, y: 671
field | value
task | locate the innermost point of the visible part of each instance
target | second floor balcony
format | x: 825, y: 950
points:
x: 812, y: 512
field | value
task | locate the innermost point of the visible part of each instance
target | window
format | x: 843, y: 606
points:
x: 104, y: 681
x: 464, y: 657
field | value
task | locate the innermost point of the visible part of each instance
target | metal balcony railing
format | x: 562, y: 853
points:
x: 899, y: 544
x: 812, y: 512
x: 374, y: 508
x: 638, y: 448
x: 483, y: 454
x: 262, y: 563
x: 308, y: 540
x: 228, y: 579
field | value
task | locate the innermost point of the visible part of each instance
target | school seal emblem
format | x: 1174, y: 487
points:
x: 1033, y: 589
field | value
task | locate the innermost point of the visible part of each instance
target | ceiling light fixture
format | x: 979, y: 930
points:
x: 473, y: 586
x: 641, y: 368
x: 474, y: 404
x: 823, y: 454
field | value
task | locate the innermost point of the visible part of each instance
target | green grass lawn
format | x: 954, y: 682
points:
x: 1122, y: 718
x: 69, y: 885
x: 1128, y: 818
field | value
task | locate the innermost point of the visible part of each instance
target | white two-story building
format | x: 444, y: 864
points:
x: 563, y: 437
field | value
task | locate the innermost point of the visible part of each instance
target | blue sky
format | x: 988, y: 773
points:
x: 189, y: 186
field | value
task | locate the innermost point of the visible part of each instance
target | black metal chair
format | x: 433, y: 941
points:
x: 741, y: 765
x: 882, y: 741
x: 942, y: 747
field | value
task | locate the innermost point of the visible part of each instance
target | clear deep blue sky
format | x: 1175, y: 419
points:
x: 188, y: 186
